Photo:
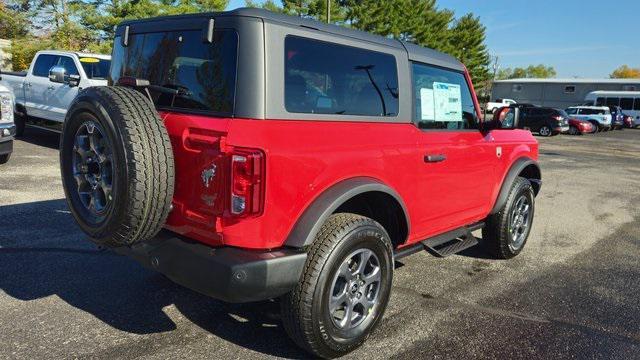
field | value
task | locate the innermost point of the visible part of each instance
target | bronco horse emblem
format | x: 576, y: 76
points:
x: 208, y: 175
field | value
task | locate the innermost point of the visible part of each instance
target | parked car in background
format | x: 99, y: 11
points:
x: 499, y: 103
x: 43, y: 93
x: 629, y: 101
x: 628, y: 121
x: 543, y: 120
x: 579, y: 127
x: 7, y: 128
x: 599, y: 116
x: 617, y: 117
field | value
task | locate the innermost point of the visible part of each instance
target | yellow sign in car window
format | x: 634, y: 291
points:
x: 89, y: 60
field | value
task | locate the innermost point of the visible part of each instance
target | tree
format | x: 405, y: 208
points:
x: 13, y: 21
x: 532, y: 71
x: 468, y: 44
x: 625, y: 72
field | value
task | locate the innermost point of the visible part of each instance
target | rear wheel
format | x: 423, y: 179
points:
x: 574, y: 130
x: 117, y: 166
x: 344, y: 288
x: 506, y: 232
x: 545, y: 131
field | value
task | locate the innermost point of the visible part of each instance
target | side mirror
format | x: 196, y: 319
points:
x: 57, y: 74
x: 507, y: 118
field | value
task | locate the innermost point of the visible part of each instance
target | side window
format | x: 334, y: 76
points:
x: 570, y: 89
x: 43, y: 64
x: 326, y: 78
x: 442, y: 99
x: 67, y: 63
x: 626, y: 103
x: 636, y: 105
x: 571, y: 111
x: 600, y: 101
x: 613, y: 101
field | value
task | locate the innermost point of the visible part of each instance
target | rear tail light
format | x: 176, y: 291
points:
x: 558, y: 117
x: 247, y: 182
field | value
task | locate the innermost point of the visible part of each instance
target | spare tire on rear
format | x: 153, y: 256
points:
x: 117, y: 165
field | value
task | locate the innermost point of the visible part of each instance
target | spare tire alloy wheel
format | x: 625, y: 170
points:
x: 519, y: 222
x: 117, y: 166
x: 93, y: 168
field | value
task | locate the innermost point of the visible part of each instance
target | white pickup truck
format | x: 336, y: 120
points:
x: 44, y: 92
x: 499, y: 103
x: 7, y: 129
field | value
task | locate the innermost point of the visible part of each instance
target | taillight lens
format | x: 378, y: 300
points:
x: 247, y: 182
x: 558, y: 117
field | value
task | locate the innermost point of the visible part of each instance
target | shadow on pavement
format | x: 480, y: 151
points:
x: 43, y: 253
x: 41, y: 137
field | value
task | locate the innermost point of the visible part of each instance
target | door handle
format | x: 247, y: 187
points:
x: 435, y: 158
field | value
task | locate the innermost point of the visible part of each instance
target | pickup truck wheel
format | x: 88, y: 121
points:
x: 117, y: 166
x: 344, y: 289
x: 506, y: 232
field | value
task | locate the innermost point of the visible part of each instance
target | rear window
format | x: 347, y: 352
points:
x: 43, y: 64
x: 203, y: 74
x: 95, y: 68
x: 327, y: 78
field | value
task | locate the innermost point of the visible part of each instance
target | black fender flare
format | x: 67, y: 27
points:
x: 511, y: 176
x: 308, y: 225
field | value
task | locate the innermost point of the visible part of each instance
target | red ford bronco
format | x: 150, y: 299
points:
x: 249, y: 155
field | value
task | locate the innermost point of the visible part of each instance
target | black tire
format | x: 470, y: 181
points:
x: 574, y: 130
x: 595, y: 126
x: 139, y: 165
x: 496, y: 235
x: 20, y: 121
x: 545, y: 131
x: 305, y: 311
x: 5, y: 158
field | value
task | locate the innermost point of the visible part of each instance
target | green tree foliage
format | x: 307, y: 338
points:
x: 625, y: 72
x: 13, y: 21
x: 532, y: 71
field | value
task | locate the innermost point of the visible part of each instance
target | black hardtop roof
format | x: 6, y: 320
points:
x: 415, y: 52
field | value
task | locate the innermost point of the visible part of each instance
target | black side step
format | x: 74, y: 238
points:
x: 446, y: 244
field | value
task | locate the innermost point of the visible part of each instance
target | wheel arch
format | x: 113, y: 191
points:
x: 361, y: 195
x: 524, y: 167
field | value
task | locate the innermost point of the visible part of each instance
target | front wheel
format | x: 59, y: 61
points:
x: 20, y: 122
x: 507, y: 231
x: 344, y: 289
x: 574, y: 130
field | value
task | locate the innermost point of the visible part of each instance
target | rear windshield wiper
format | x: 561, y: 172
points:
x: 146, y: 85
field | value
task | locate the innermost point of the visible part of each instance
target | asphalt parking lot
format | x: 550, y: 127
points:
x: 573, y: 293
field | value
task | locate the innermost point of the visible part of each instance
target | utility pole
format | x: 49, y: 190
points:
x: 328, y: 11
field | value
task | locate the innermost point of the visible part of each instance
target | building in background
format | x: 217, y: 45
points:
x: 557, y: 93
x: 5, y: 55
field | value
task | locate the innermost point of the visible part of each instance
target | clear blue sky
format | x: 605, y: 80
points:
x: 583, y: 38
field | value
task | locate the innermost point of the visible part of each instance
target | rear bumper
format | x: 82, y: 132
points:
x: 226, y: 273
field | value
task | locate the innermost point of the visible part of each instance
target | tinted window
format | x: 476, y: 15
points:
x: 613, y: 101
x: 626, y: 103
x: 600, y: 101
x: 570, y: 89
x: 95, y: 68
x: 68, y: 64
x: 636, y: 105
x: 195, y: 75
x: 43, y: 64
x: 571, y: 111
x: 326, y: 78
x: 442, y: 99
x: 593, y: 111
